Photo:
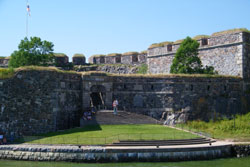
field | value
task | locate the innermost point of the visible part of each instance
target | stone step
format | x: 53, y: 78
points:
x: 107, y: 117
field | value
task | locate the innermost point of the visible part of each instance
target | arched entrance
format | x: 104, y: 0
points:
x: 97, y: 96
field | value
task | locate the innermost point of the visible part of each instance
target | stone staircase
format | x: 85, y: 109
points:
x: 106, y: 117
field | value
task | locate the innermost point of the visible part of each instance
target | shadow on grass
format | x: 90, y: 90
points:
x: 86, y: 128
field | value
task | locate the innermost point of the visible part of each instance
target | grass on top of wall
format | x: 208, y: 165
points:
x: 107, y: 134
x: 198, y: 37
x: 224, y: 129
x: 6, y: 73
x: 231, y: 31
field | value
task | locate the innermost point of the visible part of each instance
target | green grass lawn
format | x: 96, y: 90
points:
x: 231, y: 162
x: 238, y: 130
x: 106, y: 134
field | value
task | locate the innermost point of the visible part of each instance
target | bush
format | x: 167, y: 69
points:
x: 32, y: 52
x: 186, y: 60
x: 142, y: 69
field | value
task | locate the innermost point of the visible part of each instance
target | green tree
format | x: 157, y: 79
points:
x: 186, y: 60
x: 32, y: 52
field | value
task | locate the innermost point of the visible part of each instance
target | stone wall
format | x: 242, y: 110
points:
x: 78, y: 60
x: 187, y: 97
x: 224, y: 53
x: 246, y: 56
x: 128, y: 59
x: 34, y: 102
x: 241, y: 150
x: 102, y: 154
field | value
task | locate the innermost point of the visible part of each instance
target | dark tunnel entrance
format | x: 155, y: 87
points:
x: 97, y: 99
x: 97, y: 96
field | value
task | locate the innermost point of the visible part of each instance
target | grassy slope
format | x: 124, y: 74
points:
x: 224, y: 129
x: 232, y: 162
x: 105, y: 134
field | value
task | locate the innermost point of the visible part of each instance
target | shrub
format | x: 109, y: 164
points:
x: 142, y: 69
x: 32, y: 52
x: 186, y: 60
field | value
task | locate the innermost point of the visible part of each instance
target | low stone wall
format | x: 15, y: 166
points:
x: 102, y: 154
x: 241, y: 150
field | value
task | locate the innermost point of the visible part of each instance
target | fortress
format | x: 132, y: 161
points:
x: 39, y: 100
x: 227, y: 51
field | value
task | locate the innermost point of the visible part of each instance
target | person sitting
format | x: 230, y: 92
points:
x: 1, y: 139
x: 89, y: 116
x: 93, y: 111
x: 4, y: 140
x: 85, y: 115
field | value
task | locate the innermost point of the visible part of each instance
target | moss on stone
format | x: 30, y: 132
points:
x: 161, y: 44
x: 144, y: 52
x: 178, y: 41
x: 231, y: 31
x: 78, y: 55
x: 114, y: 54
x: 60, y: 55
x: 130, y: 53
x: 98, y: 55
x: 198, y: 37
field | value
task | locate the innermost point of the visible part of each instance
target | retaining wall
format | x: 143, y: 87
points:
x: 102, y: 154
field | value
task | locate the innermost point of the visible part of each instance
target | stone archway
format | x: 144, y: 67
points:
x: 97, y: 96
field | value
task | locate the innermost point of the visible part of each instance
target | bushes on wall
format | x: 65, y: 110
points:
x: 142, y: 69
x: 186, y: 60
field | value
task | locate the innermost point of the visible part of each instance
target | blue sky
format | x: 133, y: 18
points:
x: 116, y: 26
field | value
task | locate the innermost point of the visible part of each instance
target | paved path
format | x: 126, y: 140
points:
x: 26, y: 147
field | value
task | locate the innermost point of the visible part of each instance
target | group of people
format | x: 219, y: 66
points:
x: 87, y: 115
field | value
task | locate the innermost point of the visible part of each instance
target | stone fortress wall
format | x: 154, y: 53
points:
x: 40, y: 101
x: 34, y: 102
x: 128, y: 58
x: 228, y: 53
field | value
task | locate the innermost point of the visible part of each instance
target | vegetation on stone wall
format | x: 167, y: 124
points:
x: 186, y: 60
x: 59, y: 55
x: 130, y: 53
x: 236, y: 30
x: 161, y: 44
x: 32, y: 52
x: 142, y: 69
x: 198, y: 37
x: 6, y: 73
x: 78, y: 55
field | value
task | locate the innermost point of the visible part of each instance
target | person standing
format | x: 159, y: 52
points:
x: 115, y: 104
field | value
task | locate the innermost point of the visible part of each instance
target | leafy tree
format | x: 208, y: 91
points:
x: 32, y: 52
x: 186, y: 60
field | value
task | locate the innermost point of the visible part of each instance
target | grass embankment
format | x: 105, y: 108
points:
x: 232, y: 162
x: 224, y: 129
x: 106, y: 134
